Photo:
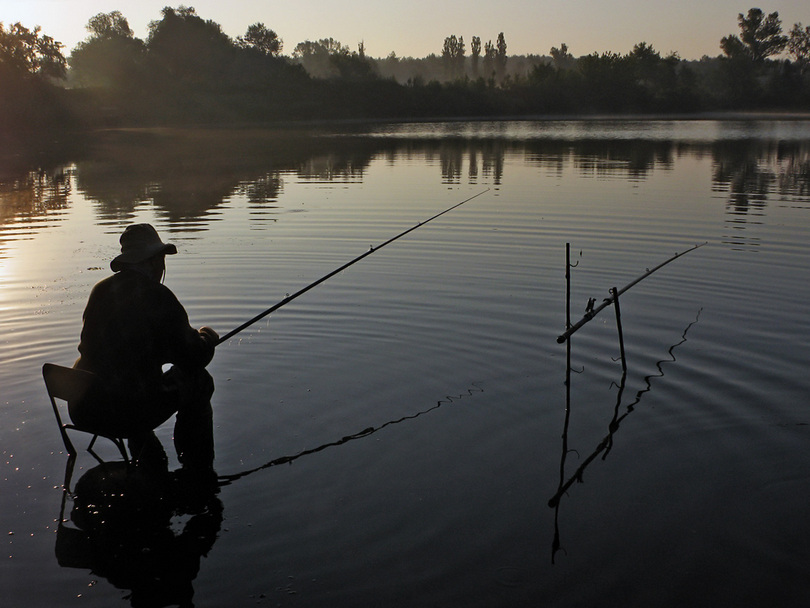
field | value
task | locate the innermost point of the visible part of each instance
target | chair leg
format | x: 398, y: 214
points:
x: 71, y: 449
x: 92, y: 452
x: 119, y: 443
x: 123, y: 449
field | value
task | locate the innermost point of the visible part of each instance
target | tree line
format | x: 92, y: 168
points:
x: 188, y: 70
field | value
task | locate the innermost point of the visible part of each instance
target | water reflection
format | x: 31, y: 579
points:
x: 751, y: 174
x: 187, y: 174
x: 606, y: 444
x: 29, y: 194
x: 144, y: 532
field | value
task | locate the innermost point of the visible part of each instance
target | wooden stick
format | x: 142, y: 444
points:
x: 614, y: 293
x: 592, y: 312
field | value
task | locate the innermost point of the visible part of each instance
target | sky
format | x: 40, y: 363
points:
x: 416, y: 28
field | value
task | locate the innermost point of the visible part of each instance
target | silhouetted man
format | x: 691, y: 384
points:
x: 133, y: 326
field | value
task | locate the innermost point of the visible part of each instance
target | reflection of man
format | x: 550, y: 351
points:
x: 127, y: 530
x: 133, y: 326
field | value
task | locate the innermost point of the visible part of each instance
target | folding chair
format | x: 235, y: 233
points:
x: 69, y: 384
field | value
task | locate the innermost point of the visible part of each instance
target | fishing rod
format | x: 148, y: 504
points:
x: 371, y: 250
x: 591, y: 312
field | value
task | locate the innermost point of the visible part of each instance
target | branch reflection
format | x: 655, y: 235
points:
x: 606, y: 444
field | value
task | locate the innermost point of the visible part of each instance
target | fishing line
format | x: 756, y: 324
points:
x: 371, y: 250
x: 448, y: 399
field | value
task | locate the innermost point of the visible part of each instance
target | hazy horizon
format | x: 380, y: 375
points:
x: 690, y: 28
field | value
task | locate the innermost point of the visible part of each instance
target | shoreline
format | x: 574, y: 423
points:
x: 286, y: 125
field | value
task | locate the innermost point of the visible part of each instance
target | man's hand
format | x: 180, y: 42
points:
x: 209, y: 335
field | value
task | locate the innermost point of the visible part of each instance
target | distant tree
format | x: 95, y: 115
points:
x: 190, y: 48
x: 25, y: 51
x: 453, y: 56
x: 323, y: 58
x: 30, y: 105
x: 353, y: 67
x: 111, y: 56
x: 329, y: 46
x: 760, y: 36
x: 475, y: 54
x: 561, y: 58
x: 645, y: 60
x: 489, y: 58
x: 262, y: 39
x: 734, y: 48
x: 109, y: 25
x: 610, y: 82
x: 799, y: 45
x: 500, y: 57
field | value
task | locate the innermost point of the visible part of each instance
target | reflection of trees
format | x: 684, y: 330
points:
x: 32, y: 193
x: 334, y: 167
x: 737, y: 171
x: 451, y: 159
x: 186, y: 173
x: 750, y: 172
x: 264, y: 189
x: 28, y: 195
x: 629, y: 159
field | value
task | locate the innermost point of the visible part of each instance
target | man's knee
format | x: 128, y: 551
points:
x: 188, y: 388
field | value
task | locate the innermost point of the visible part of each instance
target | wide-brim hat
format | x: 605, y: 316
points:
x: 140, y: 242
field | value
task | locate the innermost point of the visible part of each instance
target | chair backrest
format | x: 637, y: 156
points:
x: 66, y: 383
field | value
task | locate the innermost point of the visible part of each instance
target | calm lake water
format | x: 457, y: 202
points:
x: 395, y: 437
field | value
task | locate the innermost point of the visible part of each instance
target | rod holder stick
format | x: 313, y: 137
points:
x: 591, y: 313
x: 555, y: 543
x: 303, y: 290
x: 614, y: 293
x: 568, y: 286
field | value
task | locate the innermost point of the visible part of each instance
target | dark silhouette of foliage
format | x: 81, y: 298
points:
x: 453, y: 56
x: 189, y: 48
x: 30, y: 103
x: 489, y: 59
x: 29, y: 52
x: 475, y: 54
x: 561, y: 57
x: 109, y: 25
x: 262, y: 39
x: 318, y: 57
x: 799, y: 45
x: 188, y: 71
x: 111, y: 57
x: 760, y: 36
x: 500, y: 57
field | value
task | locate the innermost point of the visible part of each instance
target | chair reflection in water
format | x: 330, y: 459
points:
x: 68, y: 384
